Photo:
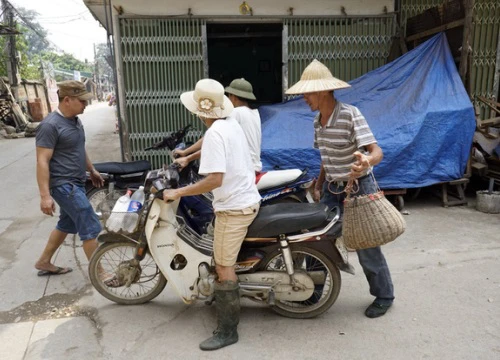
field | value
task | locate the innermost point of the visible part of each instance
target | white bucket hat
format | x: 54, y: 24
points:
x: 316, y: 77
x: 207, y: 100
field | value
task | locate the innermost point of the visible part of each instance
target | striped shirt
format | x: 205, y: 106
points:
x: 345, y: 132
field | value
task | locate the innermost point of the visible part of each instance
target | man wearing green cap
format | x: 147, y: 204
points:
x: 239, y: 92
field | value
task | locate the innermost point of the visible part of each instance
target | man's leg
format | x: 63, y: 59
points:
x: 375, y: 267
x: 226, y: 273
x: 89, y: 246
x: 227, y: 307
x: 377, y: 273
x: 56, y: 238
x: 230, y: 230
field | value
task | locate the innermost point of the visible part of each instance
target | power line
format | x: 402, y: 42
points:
x: 63, y: 22
x: 28, y: 23
x: 59, y: 17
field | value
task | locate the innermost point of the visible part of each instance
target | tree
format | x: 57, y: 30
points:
x: 29, y: 68
x: 104, y: 61
x: 29, y: 43
x: 66, y: 61
x: 35, y: 34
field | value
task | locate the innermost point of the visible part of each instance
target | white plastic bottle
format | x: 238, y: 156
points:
x: 137, y: 200
x: 132, y: 216
x: 117, y: 217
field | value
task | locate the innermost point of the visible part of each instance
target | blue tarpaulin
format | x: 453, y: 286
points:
x: 416, y: 106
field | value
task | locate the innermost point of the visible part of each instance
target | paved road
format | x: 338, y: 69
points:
x: 445, y: 270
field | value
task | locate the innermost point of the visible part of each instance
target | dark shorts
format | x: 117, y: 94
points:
x: 76, y: 213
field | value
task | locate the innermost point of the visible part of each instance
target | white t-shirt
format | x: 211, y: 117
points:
x: 225, y: 150
x: 249, y: 121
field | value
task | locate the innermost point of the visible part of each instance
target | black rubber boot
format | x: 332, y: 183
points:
x: 227, y: 306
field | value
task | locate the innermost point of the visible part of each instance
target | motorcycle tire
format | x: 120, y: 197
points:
x: 109, y: 258
x: 308, y: 260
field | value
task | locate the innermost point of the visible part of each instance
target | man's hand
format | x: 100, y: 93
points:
x: 170, y: 195
x: 360, y: 165
x: 179, y: 153
x: 47, y: 205
x: 316, y: 194
x: 96, y: 178
x: 182, y: 161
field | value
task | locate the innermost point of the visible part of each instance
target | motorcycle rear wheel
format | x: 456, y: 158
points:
x: 107, y: 258
x: 325, y: 293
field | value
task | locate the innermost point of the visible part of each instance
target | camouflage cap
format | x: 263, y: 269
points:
x: 74, y: 88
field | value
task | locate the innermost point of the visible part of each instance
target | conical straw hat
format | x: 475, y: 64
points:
x: 316, y: 77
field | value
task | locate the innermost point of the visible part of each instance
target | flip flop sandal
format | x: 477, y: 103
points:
x: 59, y: 271
x: 113, y: 282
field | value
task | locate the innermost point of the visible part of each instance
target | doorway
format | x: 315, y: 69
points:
x: 252, y: 51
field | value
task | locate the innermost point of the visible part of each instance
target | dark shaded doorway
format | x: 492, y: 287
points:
x: 250, y: 51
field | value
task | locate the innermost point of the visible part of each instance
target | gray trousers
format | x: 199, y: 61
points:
x: 372, y: 260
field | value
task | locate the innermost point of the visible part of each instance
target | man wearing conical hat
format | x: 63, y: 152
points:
x: 348, y: 149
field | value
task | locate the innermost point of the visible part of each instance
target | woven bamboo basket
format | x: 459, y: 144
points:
x: 370, y: 221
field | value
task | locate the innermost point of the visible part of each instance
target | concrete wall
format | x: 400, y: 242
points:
x: 28, y: 93
x: 259, y: 7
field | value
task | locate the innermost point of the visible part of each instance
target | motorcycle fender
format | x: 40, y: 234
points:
x: 165, y: 245
x: 280, y: 285
x: 327, y: 247
x: 335, y: 249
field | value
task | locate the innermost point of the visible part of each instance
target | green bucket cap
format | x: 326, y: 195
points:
x: 241, y: 88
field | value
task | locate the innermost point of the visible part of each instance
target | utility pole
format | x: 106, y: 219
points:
x: 97, y: 77
x: 12, y: 62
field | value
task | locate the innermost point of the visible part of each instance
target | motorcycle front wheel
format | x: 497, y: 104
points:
x: 323, y: 271
x: 97, y: 195
x: 111, y: 266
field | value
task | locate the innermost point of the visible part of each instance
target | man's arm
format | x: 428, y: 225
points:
x: 184, y: 161
x: 190, y: 150
x: 210, y: 182
x: 43, y: 156
x: 318, y: 187
x: 95, y: 176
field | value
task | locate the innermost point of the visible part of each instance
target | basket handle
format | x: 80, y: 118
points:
x: 349, y: 188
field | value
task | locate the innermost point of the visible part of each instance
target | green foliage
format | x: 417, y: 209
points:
x: 35, y: 34
x: 28, y: 67
x: 104, y: 61
x: 66, y: 61
x: 34, y: 47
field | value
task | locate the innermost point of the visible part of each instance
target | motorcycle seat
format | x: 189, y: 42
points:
x: 274, y: 220
x: 123, y: 168
x: 275, y: 178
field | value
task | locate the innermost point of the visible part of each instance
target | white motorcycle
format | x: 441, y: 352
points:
x: 290, y: 258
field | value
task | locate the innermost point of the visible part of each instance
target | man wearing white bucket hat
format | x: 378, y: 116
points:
x: 226, y: 162
x: 348, y: 149
x: 240, y: 92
